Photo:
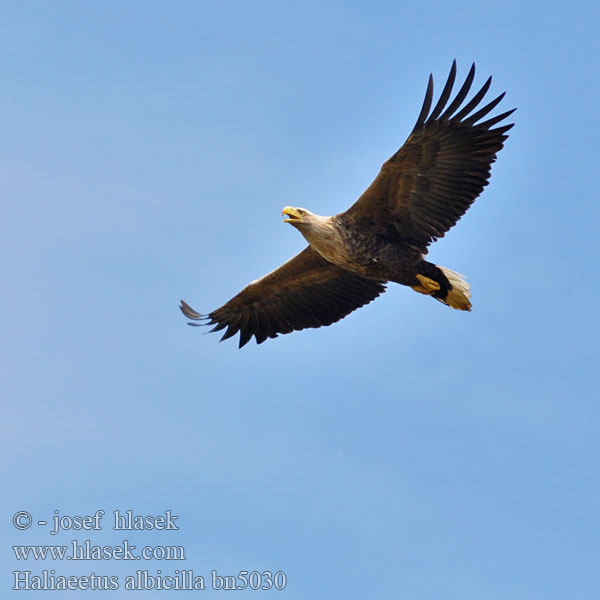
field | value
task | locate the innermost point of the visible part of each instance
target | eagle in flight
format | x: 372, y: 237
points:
x: 418, y: 195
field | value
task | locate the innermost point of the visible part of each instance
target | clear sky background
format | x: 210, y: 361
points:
x: 409, y: 451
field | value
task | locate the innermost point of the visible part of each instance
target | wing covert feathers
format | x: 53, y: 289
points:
x: 426, y: 187
x: 307, y: 291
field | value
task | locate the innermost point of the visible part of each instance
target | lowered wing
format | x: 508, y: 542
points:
x: 306, y: 291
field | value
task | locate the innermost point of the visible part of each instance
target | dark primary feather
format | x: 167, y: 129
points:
x: 426, y: 187
x: 306, y: 291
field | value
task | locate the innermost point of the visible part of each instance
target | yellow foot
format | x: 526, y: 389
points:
x: 427, y: 285
x: 421, y: 290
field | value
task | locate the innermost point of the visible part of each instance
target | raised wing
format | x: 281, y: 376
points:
x: 306, y: 291
x: 426, y: 187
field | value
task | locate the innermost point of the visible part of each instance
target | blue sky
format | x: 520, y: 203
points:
x: 409, y: 451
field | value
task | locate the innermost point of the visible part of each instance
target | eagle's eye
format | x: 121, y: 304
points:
x: 301, y: 212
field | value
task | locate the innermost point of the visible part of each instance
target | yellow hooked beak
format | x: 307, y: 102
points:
x: 292, y: 213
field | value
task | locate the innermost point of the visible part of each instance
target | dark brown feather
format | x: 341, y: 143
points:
x: 306, y: 291
x: 426, y: 187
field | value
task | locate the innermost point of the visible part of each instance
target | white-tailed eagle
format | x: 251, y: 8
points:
x: 419, y: 194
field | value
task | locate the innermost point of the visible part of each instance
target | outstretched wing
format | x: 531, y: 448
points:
x: 306, y: 291
x: 426, y: 187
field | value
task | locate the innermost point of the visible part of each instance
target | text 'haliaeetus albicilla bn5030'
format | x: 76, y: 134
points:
x: 419, y: 194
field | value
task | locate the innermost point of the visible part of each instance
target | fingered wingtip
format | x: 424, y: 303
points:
x: 190, y: 313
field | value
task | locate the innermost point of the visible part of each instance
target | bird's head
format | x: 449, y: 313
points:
x: 298, y: 217
x: 316, y: 229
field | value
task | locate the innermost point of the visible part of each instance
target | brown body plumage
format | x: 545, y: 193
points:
x: 419, y: 194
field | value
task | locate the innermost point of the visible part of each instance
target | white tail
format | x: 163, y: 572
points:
x: 458, y: 296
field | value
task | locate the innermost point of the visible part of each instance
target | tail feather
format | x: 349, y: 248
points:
x: 459, y: 292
